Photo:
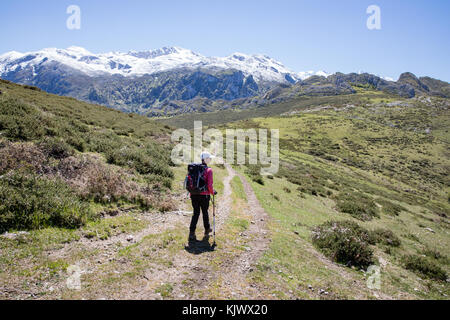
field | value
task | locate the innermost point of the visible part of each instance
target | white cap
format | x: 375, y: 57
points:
x: 206, y: 155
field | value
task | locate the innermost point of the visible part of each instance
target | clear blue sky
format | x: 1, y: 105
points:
x: 303, y: 34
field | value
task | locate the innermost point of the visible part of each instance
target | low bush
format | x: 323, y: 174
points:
x: 94, y: 180
x: 77, y: 142
x: 21, y: 156
x: 104, y: 185
x: 436, y: 255
x: 357, y: 205
x: 20, y: 121
x: 32, y: 88
x: 158, y: 182
x: 254, y: 172
x: 104, y: 142
x: 386, y: 237
x: 143, y: 160
x: 424, y: 267
x: 344, y: 242
x: 30, y: 202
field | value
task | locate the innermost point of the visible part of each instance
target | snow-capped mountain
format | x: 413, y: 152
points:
x: 133, y: 63
x: 149, y: 81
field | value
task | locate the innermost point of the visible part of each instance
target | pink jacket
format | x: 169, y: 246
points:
x: 209, y: 182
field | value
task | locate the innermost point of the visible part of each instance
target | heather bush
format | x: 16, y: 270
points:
x: 20, y: 121
x: 424, y: 267
x: 357, y: 205
x: 254, y: 171
x: 436, y: 255
x: 21, y: 156
x: 55, y: 148
x: 28, y: 201
x: 97, y: 181
x: 93, y: 179
x: 386, y: 237
x: 144, y: 160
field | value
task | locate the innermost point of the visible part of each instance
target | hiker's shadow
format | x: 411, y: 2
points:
x: 199, y: 246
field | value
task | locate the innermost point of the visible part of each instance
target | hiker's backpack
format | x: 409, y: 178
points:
x: 195, y: 181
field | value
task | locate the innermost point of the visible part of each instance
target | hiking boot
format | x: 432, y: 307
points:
x: 192, y: 236
x: 208, y: 231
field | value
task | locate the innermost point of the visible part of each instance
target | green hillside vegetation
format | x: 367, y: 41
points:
x: 238, y: 113
x: 62, y: 162
x: 363, y: 181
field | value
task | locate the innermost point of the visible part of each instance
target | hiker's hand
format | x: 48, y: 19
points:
x: 215, y: 192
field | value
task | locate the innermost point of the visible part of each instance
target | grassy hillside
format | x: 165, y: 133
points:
x: 362, y: 184
x: 62, y: 162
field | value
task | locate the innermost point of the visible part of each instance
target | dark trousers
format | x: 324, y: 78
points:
x: 200, y: 202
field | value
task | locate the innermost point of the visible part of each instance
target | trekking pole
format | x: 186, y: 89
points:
x: 214, y: 219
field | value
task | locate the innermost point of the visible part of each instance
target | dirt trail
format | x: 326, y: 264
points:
x: 193, y: 270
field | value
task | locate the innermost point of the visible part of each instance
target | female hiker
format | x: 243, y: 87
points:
x: 199, y: 183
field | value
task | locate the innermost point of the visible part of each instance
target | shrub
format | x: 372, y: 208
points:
x: 55, y: 148
x: 20, y: 121
x: 104, y: 184
x: 143, y: 160
x: 93, y: 179
x: 357, y: 205
x: 436, y: 255
x: 23, y: 156
x: 157, y: 182
x: 287, y: 190
x: 32, y: 88
x: 386, y: 237
x: 77, y: 142
x: 424, y: 266
x: 103, y: 142
x: 254, y: 172
x: 31, y: 202
x: 344, y: 242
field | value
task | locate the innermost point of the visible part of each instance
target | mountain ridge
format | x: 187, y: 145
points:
x: 173, y: 80
x: 138, y: 63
